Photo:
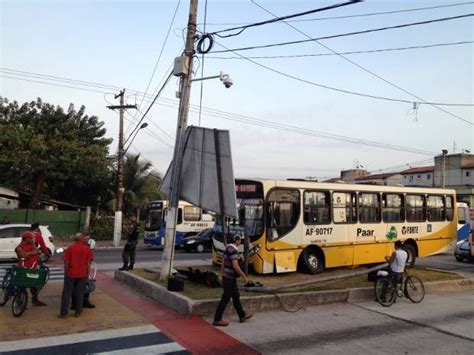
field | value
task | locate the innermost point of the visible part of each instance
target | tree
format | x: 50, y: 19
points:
x: 44, y: 148
x: 140, y: 183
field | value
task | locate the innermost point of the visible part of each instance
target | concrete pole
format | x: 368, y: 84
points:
x: 443, y: 177
x: 118, y: 209
x: 185, y: 92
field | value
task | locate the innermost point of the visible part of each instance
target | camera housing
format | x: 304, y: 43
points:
x: 226, y: 80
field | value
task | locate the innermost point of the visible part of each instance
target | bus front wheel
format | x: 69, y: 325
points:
x: 312, y: 261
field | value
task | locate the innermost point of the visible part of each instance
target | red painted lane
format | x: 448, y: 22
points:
x: 193, y: 333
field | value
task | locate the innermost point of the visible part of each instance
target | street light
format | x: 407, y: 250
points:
x: 144, y: 125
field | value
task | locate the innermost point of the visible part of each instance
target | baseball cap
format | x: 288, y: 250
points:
x: 27, y: 235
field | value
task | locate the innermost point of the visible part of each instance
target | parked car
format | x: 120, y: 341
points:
x: 10, y: 237
x: 463, y: 251
x: 199, y: 242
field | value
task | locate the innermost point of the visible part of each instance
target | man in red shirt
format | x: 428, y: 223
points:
x: 77, y: 259
x: 38, y: 238
x: 28, y: 256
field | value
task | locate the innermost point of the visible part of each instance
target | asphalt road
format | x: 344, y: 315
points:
x: 111, y: 259
x: 441, y: 324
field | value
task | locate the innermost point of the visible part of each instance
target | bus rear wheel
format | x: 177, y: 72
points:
x: 312, y: 261
x: 410, y: 249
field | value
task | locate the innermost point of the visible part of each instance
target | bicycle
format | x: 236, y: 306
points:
x: 16, y: 281
x: 387, y: 289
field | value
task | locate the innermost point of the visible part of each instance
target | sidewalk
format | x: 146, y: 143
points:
x: 119, y: 311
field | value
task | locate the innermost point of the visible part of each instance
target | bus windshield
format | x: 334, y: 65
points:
x: 250, y: 207
x: 251, y: 217
x: 155, y: 214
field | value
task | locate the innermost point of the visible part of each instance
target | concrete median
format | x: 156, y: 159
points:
x: 268, y: 302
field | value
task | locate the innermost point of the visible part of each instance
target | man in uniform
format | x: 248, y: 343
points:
x: 129, y: 250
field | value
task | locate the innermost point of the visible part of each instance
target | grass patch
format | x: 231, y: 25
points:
x: 199, y: 292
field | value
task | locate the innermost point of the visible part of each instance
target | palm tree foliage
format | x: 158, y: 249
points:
x: 140, y: 182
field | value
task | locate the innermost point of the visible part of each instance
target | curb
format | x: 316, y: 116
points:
x: 290, y: 301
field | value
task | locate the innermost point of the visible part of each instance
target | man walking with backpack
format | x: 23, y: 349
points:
x: 231, y: 270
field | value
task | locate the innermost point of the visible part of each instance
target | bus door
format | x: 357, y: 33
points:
x: 369, y: 232
x: 283, y: 230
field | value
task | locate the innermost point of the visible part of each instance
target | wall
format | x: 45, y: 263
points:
x: 61, y: 223
x: 424, y: 179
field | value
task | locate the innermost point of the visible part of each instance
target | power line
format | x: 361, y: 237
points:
x: 355, y: 15
x: 148, y: 131
x: 161, y: 51
x: 282, y: 18
x: 153, y: 101
x: 349, y: 52
x: 160, y: 85
x: 371, y: 72
x: 344, y: 34
x: 294, y: 129
x: 284, y: 128
x: 202, y: 66
x: 344, y: 91
x: 251, y: 120
x: 135, y: 92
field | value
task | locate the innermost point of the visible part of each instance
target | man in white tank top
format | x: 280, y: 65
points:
x: 397, y: 261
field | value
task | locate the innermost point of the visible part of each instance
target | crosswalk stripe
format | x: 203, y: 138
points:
x: 136, y: 340
x: 153, y: 349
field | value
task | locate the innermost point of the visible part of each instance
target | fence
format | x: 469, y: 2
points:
x: 61, y: 223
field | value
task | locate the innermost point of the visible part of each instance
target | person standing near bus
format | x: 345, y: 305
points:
x: 231, y: 270
x: 129, y: 250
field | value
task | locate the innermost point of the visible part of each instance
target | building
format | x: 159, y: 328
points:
x: 422, y: 176
x: 456, y: 171
x: 387, y: 179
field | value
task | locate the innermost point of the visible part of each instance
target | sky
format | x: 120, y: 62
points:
x: 118, y: 43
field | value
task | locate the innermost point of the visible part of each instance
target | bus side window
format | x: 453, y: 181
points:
x: 180, y: 216
x: 317, y: 207
x: 435, y: 208
x: 192, y: 213
x: 393, y: 208
x: 283, y: 211
x: 369, y: 208
x: 449, y: 208
x: 415, y: 206
x: 344, y: 207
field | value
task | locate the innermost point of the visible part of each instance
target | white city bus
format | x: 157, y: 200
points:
x: 191, y: 220
x: 310, y: 226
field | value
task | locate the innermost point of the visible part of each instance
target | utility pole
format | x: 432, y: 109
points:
x: 185, y: 92
x: 118, y: 210
x: 443, y: 177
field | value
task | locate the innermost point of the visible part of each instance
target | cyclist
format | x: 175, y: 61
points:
x: 38, y: 238
x: 397, y: 262
x: 28, y: 256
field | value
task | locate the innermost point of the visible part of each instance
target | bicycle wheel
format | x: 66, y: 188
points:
x: 4, y: 297
x: 414, y: 289
x: 385, y: 292
x: 19, y: 302
x: 4, y: 288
